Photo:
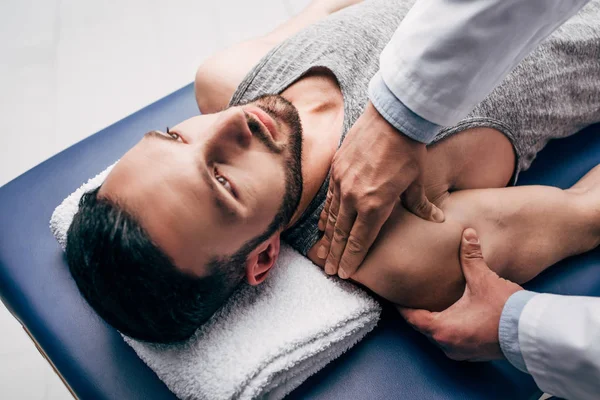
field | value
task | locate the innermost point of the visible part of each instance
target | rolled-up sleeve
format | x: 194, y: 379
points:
x: 398, y: 115
x: 508, y: 331
x: 555, y: 339
x: 448, y: 55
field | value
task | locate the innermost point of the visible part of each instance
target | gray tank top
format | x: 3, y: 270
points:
x: 553, y: 93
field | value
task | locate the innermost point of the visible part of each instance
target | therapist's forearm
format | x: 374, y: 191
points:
x: 448, y: 55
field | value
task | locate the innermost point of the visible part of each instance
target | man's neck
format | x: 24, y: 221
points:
x: 319, y: 102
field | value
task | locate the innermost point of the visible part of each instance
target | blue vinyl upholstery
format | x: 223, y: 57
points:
x: 391, y: 362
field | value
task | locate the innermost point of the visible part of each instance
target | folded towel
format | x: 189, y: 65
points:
x: 267, y: 339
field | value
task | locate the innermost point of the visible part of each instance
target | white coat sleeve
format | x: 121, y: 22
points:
x: 559, y: 338
x: 448, y: 55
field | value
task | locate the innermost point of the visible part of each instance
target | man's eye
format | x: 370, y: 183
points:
x: 223, y: 181
x: 174, y: 135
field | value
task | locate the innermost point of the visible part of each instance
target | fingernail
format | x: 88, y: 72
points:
x: 438, y: 215
x: 320, y: 225
x: 322, y: 252
x: 329, y: 269
x: 471, y: 236
x: 342, y: 274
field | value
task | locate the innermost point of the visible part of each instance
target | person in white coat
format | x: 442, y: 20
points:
x: 444, y: 58
x: 554, y: 338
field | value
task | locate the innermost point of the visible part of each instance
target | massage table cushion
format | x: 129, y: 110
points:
x: 393, y: 361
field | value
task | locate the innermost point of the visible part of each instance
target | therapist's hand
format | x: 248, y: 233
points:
x: 375, y: 165
x: 468, y: 330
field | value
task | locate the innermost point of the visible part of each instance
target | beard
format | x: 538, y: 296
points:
x: 284, y: 114
x: 231, y: 269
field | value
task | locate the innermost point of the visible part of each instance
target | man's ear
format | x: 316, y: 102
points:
x: 262, y: 259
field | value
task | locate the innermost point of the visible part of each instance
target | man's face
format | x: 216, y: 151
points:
x: 214, y: 182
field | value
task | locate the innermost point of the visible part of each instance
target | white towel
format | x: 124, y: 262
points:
x: 266, y: 340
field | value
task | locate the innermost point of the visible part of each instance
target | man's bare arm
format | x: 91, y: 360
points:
x: 219, y: 76
x: 523, y: 231
x: 415, y: 263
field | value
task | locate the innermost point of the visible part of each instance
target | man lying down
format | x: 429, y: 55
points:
x: 189, y: 213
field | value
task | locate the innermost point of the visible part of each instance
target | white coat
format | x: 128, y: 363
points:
x: 559, y: 338
x: 448, y: 55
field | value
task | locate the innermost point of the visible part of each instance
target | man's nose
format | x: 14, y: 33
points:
x: 232, y: 128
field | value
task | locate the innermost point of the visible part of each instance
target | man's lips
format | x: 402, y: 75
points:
x: 265, y: 119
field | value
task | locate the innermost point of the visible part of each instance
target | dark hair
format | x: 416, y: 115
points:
x: 133, y: 285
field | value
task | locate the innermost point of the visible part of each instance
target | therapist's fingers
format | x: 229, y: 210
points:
x: 330, y: 222
x: 343, y: 225
x: 416, y: 202
x: 437, y: 328
x: 421, y: 320
x: 325, y: 212
x: 483, y: 283
x: 474, y: 267
x: 360, y: 239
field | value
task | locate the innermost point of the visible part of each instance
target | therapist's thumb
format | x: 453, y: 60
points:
x: 471, y: 258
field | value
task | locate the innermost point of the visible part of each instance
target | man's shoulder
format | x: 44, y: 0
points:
x: 219, y: 76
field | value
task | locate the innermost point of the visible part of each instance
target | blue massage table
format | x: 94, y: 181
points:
x: 392, y: 362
